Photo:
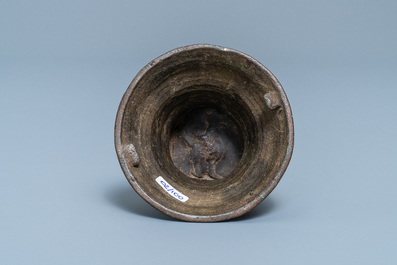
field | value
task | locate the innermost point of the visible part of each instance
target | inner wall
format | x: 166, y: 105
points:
x: 202, y: 137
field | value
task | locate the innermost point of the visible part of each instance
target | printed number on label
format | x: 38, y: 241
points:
x: 173, y: 192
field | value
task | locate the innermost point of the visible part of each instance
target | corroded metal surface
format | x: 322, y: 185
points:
x: 208, y: 145
x: 204, y: 133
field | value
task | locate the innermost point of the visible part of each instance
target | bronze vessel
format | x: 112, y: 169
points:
x: 204, y: 133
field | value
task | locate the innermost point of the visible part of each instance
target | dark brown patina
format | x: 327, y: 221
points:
x: 206, y: 144
x: 214, y: 123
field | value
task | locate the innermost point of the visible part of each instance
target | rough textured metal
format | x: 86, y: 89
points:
x: 214, y: 123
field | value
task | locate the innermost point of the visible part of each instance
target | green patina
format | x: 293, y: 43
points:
x: 288, y: 152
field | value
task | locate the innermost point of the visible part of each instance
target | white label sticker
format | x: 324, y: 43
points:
x: 173, y: 192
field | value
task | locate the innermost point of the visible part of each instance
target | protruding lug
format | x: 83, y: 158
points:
x: 131, y: 154
x: 272, y: 100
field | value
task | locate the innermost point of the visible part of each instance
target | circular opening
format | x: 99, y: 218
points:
x: 213, y: 123
x: 202, y: 137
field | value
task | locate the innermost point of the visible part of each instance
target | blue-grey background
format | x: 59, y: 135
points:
x: 64, y: 66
